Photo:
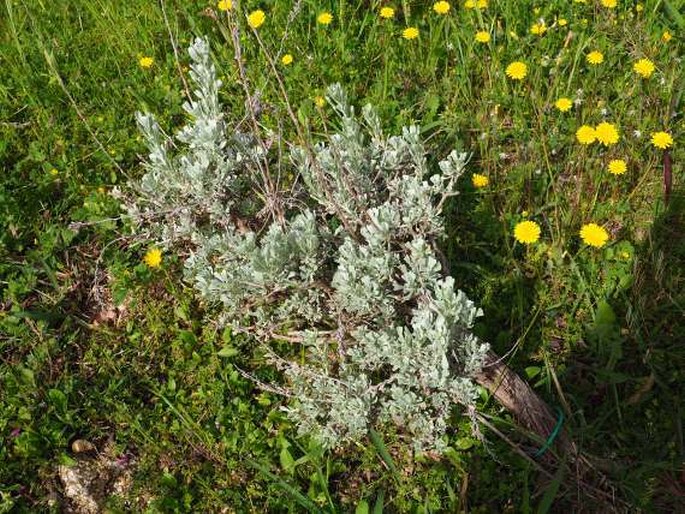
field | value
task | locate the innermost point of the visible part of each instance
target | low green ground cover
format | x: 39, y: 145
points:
x: 97, y: 345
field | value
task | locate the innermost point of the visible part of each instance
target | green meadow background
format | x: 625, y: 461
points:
x: 95, y: 345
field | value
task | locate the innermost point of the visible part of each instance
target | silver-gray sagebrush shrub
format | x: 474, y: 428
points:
x: 350, y: 272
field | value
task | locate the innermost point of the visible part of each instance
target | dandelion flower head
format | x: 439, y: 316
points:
x: 538, y: 29
x: 153, y: 257
x: 319, y: 101
x: 595, y: 57
x: 482, y: 36
x: 441, y: 7
x: 644, y: 68
x: 617, y: 167
x: 563, y: 104
x: 256, y: 19
x: 287, y: 59
x: 586, y: 135
x: 479, y: 180
x: 610, y: 4
x: 410, y: 33
x: 527, y: 232
x: 325, y: 18
x: 517, y: 70
x: 594, y: 235
x: 224, y: 5
x: 607, y: 133
x: 666, y: 36
x: 387, y: 13
x: 146, y: 62
x: 662, y: 140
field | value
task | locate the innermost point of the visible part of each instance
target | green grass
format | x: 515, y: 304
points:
x: 597, y: 331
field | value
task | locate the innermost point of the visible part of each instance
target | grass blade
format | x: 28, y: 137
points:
x: 552, y: 490
x: 674, y: 14
x: 292, y: 491
x: 380, y: 499
x: 383, y: 451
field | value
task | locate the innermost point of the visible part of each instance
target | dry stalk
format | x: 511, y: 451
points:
x: 533, y: 414
x: 174, y: 46
x: 271, y: 195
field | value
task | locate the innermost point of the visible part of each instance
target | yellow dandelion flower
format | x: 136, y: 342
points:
x: 441, y: 7
x: 319, y: 101
x: 666, y: 36
x: 325, y: 18
x: 256, y: 19
x: 410, y: 33
x: 607, y: 133
x: 563, y: 104
x: 538, y: 29
x: 482, y: 36
x: 287, y: 59
x: 224, y: 5
x: 644, y: 68
x: 617, y: 167
x: 153, y: 257
x: 610, y: 4
x: 586, y: 135
x: 387, y: 13
x: 482, y: 4
x: 472, y: 4
x: 517, y: 70
x: 479, y: 180
x: 595, y: 57
x: 594, y: 235
x: 54, y: 172
x: 662, y: 140
x: 639, y: 7
x: 562, y: 22
x: 527, y: 232
x: 146, y: 62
